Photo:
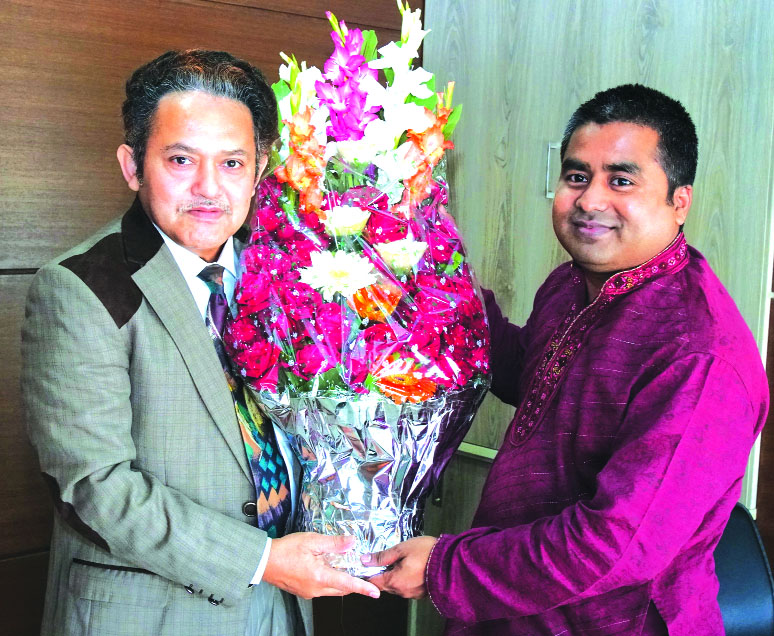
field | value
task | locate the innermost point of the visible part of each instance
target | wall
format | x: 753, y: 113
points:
x: 521, y: 68
x: 64, y: 65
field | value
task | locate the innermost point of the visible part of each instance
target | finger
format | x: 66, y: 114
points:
x: 383, y: 558
x: 349, y: 584
x: 336, y: 544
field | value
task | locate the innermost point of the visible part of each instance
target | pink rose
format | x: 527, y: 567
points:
x: 285, y: 231
x: 383, y: 227
x: 268, y: 217
x: 298, y: 299
x: 260, y: 364
x: 300, y: 249
x: 332, y: 323
x: 252, y: 292
x: 315, y: 358
x: 240, y: 333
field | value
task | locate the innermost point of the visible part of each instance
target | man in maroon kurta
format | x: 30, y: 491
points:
x: 639, y: 393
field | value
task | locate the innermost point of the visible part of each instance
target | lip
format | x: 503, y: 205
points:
x: 591, y: 229
x: 206, y: 213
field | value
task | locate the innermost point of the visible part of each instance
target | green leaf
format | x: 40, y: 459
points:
x: 389, y: 75
x: 427, y: 102
x: 281, y: 89
x: 457, y: 260
x: 370, y: 383
x: 451, y: 123
x: 369, y: 45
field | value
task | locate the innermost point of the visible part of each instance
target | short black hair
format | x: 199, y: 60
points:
x: 214, y: 72
x: 678, y: 146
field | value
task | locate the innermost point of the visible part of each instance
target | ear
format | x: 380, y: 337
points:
x: 262, y: 161
x: 681, y: 200
x: 125, y: 157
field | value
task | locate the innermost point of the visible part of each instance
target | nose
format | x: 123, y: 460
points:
x: 207, y: 182
x: 594, y: 197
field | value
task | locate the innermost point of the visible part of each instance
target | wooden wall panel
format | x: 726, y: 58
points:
x: 460, y: 490
x: 25, y: 523
x: 372, y: 13
x: 523, y: 67
x: 22, y: 589
x: 65, y: 64
x: 765, y: 518
x: 64, y: 67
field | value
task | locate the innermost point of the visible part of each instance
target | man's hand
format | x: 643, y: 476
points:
x: 297, y: 565
x: 408, y: 561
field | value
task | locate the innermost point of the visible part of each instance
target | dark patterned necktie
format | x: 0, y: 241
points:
x: 266, y: 463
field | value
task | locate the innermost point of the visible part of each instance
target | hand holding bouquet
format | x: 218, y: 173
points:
x: 359, y: 328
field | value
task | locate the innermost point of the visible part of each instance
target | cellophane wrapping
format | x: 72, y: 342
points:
x: 360, y: 329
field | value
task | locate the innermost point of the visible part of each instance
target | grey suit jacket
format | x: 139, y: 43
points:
x: 134, y: 425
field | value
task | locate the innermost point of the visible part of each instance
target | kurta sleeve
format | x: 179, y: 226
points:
x: 507, y: 352
x: 682, y: 447
x: 76, y: 389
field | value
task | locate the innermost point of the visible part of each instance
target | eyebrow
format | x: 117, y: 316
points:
x: 623, y: 166
x: 184, y: 148
x: 575, y: 164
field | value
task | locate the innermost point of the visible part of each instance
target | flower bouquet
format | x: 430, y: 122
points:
x: 359, y: 327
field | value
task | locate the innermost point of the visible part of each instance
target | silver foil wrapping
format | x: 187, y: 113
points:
x: 369, y: 464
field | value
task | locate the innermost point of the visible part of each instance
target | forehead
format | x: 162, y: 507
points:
x: 200, y: 116
x: 614, y: 143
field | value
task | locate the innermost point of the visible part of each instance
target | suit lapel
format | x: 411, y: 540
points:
x: 166, y: 291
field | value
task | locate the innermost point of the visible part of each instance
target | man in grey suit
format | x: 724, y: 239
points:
x: 128, y: 405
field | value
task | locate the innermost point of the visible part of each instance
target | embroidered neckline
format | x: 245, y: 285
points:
x: 569, y: 336
x: 669, y: 261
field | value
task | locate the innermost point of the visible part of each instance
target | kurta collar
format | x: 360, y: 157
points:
x: 669, y: 261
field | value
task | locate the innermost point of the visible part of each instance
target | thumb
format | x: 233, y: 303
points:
x: 336, y: 544
x: 383, y: 558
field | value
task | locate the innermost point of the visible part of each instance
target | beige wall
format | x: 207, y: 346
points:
x: 521, y: 68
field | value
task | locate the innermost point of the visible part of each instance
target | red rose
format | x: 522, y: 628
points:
x: 298, y: 299
x: 316, y: 358
x: 260, y: 364
x: 252, y: 292
x: 383, y: 227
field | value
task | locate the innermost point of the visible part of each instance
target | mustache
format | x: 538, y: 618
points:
x: 204, y: 203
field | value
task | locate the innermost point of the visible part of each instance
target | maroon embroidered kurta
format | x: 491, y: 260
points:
x: 636, y: 415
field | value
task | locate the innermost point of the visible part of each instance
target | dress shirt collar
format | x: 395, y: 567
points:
x: 190, y: 265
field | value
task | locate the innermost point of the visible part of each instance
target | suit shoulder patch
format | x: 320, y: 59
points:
x: 106, y: 273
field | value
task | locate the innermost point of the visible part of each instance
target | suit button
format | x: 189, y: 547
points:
x: 249, y: 509
x: 212, y: 600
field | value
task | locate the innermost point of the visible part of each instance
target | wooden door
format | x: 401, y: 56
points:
x: 521, y: 67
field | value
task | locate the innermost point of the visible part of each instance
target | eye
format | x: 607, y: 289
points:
x: 180, y: 161
x: 232, y: 163
x: 576, y: 177
x: 621, y: 181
